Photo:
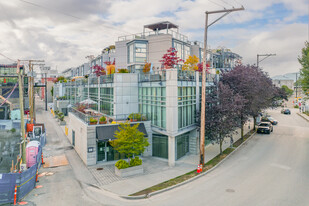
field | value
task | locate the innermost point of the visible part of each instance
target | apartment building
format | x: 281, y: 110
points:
x: 169, y: 100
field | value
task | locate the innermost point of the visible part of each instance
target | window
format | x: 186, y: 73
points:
x: 152, y: 104
x: 137, y: 52
x: 160, y: 146
x: 186, y: 106
x: 73, y: 137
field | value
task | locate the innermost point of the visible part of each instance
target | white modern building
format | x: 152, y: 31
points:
x: 168, y: 100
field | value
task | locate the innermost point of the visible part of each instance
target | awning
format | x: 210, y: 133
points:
x: 107, y: 132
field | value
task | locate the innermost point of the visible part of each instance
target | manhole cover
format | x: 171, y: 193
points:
x: 100, y: 168
x: 230, y: 190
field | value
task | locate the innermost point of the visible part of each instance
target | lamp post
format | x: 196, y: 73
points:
x: 203, y: 106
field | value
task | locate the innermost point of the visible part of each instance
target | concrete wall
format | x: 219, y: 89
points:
x: 121, y: 54
x: 125, y: 94
x: 157, y: 47
x: 148, y: 150
x: 81, y: 136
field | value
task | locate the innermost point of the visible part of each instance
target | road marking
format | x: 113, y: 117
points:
x: 280, y: 166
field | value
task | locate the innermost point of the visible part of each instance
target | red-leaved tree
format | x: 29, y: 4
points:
x: 170, y: 59
x: 99, y: 70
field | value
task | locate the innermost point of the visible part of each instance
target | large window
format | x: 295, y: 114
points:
x: 182, y: 145
x: 186, y: 106
x: 107, y: 98
x: 152, y: 102
x: 137, y: 52
x: 159, y: 146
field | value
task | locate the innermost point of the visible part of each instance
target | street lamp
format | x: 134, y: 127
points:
x: 203, y: 106
x: 262, y: 55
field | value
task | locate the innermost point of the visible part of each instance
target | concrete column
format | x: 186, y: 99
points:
x: 171, y: 151
x: 171, y: 113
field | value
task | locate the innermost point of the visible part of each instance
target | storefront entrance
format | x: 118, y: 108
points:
x: 107, y: 153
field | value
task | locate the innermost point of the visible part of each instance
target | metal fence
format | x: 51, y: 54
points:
x: 24, y: 181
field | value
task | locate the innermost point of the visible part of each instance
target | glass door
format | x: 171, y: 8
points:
x: 101, y: 151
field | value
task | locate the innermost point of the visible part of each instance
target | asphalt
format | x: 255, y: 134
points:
x: 267, y: 170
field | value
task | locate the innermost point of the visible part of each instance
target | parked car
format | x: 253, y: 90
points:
x: 269, y: 119
x: 285, y: 111
x: 265, y: 127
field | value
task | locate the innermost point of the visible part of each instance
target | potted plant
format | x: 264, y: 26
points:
x: 132, y: 117
x: 93, y: 121
x: 61, y: 118
x: 102, y: 120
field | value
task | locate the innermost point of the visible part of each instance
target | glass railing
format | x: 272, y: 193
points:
x: 160, y: 76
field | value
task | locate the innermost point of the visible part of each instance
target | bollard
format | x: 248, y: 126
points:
x: 15, y: 194
x: 42, y: 159
x: 36, y: 178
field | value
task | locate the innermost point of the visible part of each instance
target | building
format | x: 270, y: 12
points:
x: 168, y: 100
x: 9, y: 96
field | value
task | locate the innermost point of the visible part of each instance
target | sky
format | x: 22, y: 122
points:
x: 64, y: 32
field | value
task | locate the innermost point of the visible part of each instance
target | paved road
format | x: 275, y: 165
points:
x: 269, y: 170
x: 66, y: 186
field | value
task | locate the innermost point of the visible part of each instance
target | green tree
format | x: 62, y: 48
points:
x: 304, y: 71
x: 129, y: 140
x: 287, y: 90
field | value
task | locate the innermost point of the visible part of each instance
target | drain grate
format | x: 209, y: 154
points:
x: 100, y: 168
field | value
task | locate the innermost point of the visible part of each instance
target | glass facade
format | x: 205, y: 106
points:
x: 182, y: 142
x: 107, y: 98
x: 183, y: 50
x: 186, y: 106
x: 8, y: 70
x: 152, y: 103
x: 137, y: 52
x: 160, y: 146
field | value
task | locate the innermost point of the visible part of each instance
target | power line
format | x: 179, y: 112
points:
x: 216, y: 4
x: 72, y: 16
x: 8, y: 58
x: 227, y: 3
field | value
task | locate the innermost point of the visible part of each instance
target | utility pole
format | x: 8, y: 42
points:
x: 46, y: 91
x: 31, y: 88
x: 296, y: 87
x: 262, y: 55
x: 21, y: 107
x: 203, y: 105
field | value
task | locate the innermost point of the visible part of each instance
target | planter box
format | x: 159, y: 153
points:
x: 129, y: 171
x: 62, y: 123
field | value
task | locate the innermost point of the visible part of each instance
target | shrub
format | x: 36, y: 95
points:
x: 122, y: 164
x: 13, y: 130
x: 296, y: 106
x: 93, y: 120
x: 102, y: 119
x: 61, y: 116
x: 123, y: 71
x: 135, y: 162
x: 137, y: 116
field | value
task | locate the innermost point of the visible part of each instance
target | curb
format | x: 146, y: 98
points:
x: 303, y: 117
x: 189, y: 180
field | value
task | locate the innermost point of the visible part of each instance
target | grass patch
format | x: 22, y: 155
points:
x: 307, y: 113
x: 246, y: 136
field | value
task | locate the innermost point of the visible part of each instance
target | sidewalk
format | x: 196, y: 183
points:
x: 306, y: 117
x: 156, y: 169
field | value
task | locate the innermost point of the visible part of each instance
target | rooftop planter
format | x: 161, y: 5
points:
x: 134, y: 117
x: 93, y: 121
x: 102, y: 120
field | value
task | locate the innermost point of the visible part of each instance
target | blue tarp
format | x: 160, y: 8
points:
x: 25, y: 181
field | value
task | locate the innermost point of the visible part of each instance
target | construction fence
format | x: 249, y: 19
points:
x: 24, y: 181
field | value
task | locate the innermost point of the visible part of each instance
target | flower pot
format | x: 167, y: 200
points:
x: 103, y: 122
x: 93, y: 123
x: 133, y: 120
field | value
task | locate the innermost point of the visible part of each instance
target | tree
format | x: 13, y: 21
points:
x: 254, y: 86
x: 223, y: 108
x: 99, y: 70
x: 110, y: 68
x: 170, y: 59
x: 191, y: 64
x: 304, y: 71
x: 146, y: 67
x: 129, y: 140
x: 287, y: 90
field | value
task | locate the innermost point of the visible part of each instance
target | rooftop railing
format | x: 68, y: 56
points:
x: 142, y: 35
x: 160, y: 76
x: 92, y: 117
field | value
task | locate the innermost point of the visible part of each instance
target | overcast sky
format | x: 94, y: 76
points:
x: 63, y: 32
